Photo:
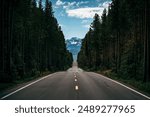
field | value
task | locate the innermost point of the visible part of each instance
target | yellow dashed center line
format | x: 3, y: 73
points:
x: 76, y: 86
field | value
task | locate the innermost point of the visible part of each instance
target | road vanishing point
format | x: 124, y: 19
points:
x: 73, y: 84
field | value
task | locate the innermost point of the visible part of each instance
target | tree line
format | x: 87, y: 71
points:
x: 31, y: 40
x: 119, y: 40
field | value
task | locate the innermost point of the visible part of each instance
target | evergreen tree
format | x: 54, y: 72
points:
x: 31, y: 41
x: 122, y: 40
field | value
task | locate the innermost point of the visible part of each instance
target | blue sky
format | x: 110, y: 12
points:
x: 75, y: 16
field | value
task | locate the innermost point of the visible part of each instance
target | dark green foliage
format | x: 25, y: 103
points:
x: 119, y: 41
x: 31, y: 41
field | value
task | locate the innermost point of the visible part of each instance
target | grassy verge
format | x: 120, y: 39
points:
x: 138, y: 85
x: 4, y: 86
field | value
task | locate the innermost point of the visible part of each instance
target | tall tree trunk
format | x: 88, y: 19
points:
x: 6, y: 38
x: 146, y: 43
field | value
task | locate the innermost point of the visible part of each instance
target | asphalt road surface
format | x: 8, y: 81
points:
x: 74, y: 84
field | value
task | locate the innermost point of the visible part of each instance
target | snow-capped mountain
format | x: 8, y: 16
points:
x: 74, y: 46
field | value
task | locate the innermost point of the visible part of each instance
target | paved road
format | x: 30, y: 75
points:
x: 74, y: 84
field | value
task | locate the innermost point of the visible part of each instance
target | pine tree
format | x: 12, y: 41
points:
x: 31, y: 41
x: 122, y: 41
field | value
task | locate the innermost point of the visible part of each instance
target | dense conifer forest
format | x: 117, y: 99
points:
x: 31, y: 40
x: 119, y: 41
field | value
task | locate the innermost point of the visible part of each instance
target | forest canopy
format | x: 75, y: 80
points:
x: 119, y: 40
x: 31, y: 40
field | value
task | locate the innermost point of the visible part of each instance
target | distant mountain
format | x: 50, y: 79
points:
x: 74, y: 46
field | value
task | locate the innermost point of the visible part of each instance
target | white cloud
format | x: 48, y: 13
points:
x: 74, y: 4
x: 105, y: 4
x: 59, y: 3
x: 85, y: 12
x: 43, y: 4
x: 71, y: 3
x: 82, y: 2
x: 65, y: 7
x: 62, y: 25
x: 68, y: 5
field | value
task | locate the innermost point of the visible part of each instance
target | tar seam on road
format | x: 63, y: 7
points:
x: 25, y: 86
x: 125, y: 86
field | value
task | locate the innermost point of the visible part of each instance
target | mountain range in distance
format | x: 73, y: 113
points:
x: 74, y: 46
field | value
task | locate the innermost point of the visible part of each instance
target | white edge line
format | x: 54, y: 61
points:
x: 125, y: 86
x: 25, y: 86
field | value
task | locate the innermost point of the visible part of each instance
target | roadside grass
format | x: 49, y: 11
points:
x: 4, y: 86
x: 137, y: 85
x: 8, y: 85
